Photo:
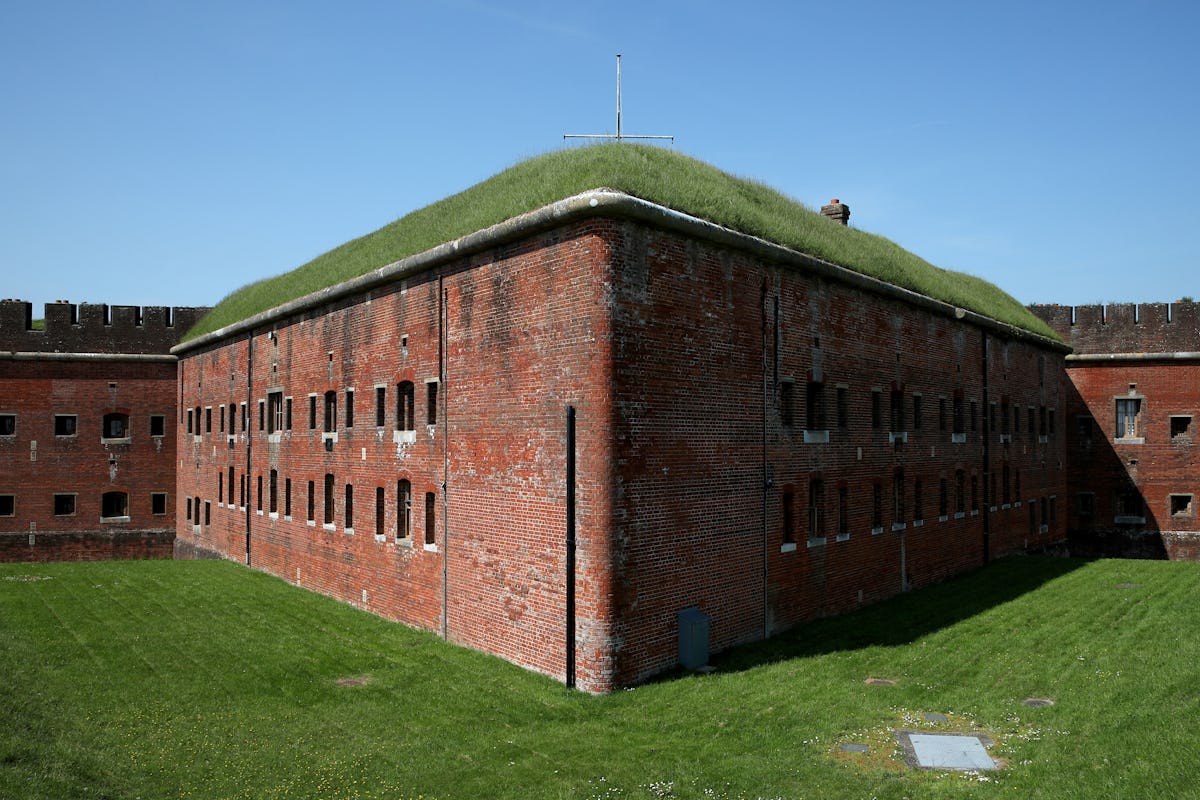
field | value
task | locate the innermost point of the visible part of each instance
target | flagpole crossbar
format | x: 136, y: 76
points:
x: 618, y: 136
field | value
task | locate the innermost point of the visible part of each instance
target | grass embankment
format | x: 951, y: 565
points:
x: 205, y: 680
x: 661, y: 176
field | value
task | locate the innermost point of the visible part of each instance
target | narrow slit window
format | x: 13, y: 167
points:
x: 430, y: 518
x: 404, y: 406
x: 815, y: 406
x: 349, y: 509
x: 379, y: 511
x: 380, y: 406
x: 328, y: 498
x: 431, y: 405
x: 403, y: 510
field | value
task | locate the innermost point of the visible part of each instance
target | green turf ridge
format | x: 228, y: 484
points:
x: 207, y: 680
x: 651, y: 173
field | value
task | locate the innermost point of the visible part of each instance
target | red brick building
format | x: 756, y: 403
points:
x: 87, y: 434
x: 1133, y: 416
x: 759, y: 438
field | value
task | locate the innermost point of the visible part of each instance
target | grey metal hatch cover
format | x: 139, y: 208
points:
x: 946, y: 751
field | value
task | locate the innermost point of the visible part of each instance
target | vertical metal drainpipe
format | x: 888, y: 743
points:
x: 570, y: 567
x: 249, y: 431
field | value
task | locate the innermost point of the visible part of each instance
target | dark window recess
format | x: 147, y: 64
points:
x: 188, y: 509
x: 1181, y: 505
x: 816, y: 508
x: 960, y: 491
x: 328, y: 498
x: 258, y: 494
x: 116, y: 426
x: 430, y: 518
x: 287, y: 414
x: 274, y: 492
x: 974, y: 416
x: 8, y: 505
x: 974, y: 492
x: 274, y: 412
x: 208, y: 420
x: 158, y: 425
x: 207, y: 513
x: 379, y: 511
x: 404, y: 406
x: 116, y: 504
x: 1031, y: 429
x: 8, y: 424
x: 262, y: 415
x: 312, y: 501
x: 941, y: 414
x: 897, y: 411
x: 1033, y: 525
x: 960, y: 425
x: 349, y: 509
x: 898, y: 497
x: 1087, y: 509
x: 787, y: 403
x: 349, y: 408
x: 220, y: 486
x: 789, y: 519
x: 843, y: 510
x: 814, y: 406
x: 431, y: 395
x: 230, y: 483
x: 1085, y: 431
x: 918, y: 499
x: 287, y: 497
x: 330, y: 411
x: 190, y: 423
x: 312, y: 412
x: 64, y: 424
x: 380, y: 406
x: 403, y: 509
x: 1181, y: 426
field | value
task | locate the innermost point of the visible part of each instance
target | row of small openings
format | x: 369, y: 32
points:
x: 1132, y: 505
x: 106, y: 314
x: 816, y: 505
x: 112, y: 426
x: 1137, y: 311
x: 113, y: 505
x: 403, y: 502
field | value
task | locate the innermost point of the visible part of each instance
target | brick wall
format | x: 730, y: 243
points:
x: 667, y: 342
x: 1126, y: 327
x: 94, y: 328
x: 84, y: 463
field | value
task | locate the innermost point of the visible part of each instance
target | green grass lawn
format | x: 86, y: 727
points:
x: 206, y: 680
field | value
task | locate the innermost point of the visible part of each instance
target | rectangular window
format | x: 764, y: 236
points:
x: 974, y: 416
x: 287, y: 497
x: 230, y: 484
x: 1005, y: 485
x: 1033, y: 523
x: 273, y: 507
x: 897, y: 411
x: 220, y: 486
x: 1181, y: 505
x: 379, y: 511
x: 328, y: 498
x: 207, y: 513
x: 974, y: 494
x: 843, y: 409
x: 274, y: 412
x: 380, y: 406
x: 8, y: 505
x: 787, y: 403
x: 262, y: 416
x: 1053, y: 509
x: 287, y: 414
x: 64, y: 424
x: 960, y: 425
x: 843, y: 511
x: 1085, y: 428
x: 64, y: 505
x: 349, y: 509
x: 815, y: 406
x: 876, y: 507
x: 245, y: 417
x: 898, y: 498
x: 816, y: 508
x: 789, y: 520
x: 258, y: 495
x: 330, y: 411
x: 960, y: 493
x: 404, y: 406
x: 114, y: 506
x: 1128, y: 411
x: 349, y: 408
x: 8, y: 425
x: 430, y: 518
x: 1032, y: 428
x: 242, y: 491
x: 158, y: 425
x: 312, y: 412
x: 158, y: 503
x: 1181, y: 426
x: 190, y: 423
x: 312, y: 501
x: 431, y: 395
x: 188, y: 511
x: 403, y: 510
x: 993, y: 424
x: 876, y: 408
x: 208, y: 419
x: 1005, y: 416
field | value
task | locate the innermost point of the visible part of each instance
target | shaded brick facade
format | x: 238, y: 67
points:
x: 1134, y: 409
x: 87, y: 436
x: 761, y: 435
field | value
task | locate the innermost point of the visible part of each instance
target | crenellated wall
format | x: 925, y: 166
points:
x: 92, y: 328
x: 1126, y: 327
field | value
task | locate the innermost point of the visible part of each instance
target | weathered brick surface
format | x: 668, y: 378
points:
x: 94, y: 328
x: 37, y: 464
x: 49, y: 545
x: 1154, y: 464
x: 669, y: 348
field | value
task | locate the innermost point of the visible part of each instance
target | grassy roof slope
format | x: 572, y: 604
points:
x: 650, y: 173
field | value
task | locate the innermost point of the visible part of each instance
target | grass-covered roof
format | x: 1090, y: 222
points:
x: 655, y: 174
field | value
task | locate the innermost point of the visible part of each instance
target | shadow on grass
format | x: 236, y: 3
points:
x: 906, y: 618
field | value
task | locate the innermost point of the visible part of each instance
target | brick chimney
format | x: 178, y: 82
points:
x: 836, y: 211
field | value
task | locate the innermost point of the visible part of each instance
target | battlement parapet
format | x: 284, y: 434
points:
x: 1126, y: 327
x: 95, y: 328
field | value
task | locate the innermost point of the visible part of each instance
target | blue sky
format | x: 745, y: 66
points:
x: 167, y: 153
